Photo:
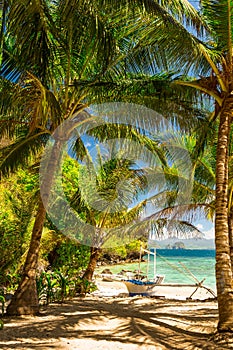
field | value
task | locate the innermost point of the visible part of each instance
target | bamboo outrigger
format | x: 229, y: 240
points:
x: 156, y: 286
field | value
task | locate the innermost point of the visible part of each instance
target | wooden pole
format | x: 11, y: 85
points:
x: 140, y: 258
x: 148, y: 263
x: 154, y: 249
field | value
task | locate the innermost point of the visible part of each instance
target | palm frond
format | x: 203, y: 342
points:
x: 163, y: 40
x: 97, y: 43
x: 3, y: 11
x: 21, y: 153
x: 181, y: 9
x: 153, y: 91
x: 219, y: 17
x: 29, y: 25
x: 11, y: 66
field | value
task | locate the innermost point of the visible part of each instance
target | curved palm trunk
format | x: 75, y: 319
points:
x: 25, y: 300
x: 230, y: 227
x: 223, y: 261
x: 95, y: 254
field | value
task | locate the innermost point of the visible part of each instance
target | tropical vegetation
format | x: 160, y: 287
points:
x: 59, y: 57
x: 208, y: 57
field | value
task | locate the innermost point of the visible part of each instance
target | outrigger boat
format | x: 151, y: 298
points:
x: 144, y: 286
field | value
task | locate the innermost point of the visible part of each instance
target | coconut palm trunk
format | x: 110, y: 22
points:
x: 230, y: 228
x: 25, y: 300
x: 223, y: 261
x: 95, y: 254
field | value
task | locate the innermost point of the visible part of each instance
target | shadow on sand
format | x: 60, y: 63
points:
x: 116, y: 323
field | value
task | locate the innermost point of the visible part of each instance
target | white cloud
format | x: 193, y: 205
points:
x: 88, y: 144
x: 207, y: 227
x: 210, y: 233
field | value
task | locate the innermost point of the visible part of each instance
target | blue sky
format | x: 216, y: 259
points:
x: 206, y: 227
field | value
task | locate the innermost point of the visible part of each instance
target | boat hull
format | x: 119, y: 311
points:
x: 140, y: 288
x: 169, y: 291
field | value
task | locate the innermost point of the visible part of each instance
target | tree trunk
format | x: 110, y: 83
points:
x: 230, y: 227
x: 223, y: 261
x: 25, y: 300
x: 95, y: 254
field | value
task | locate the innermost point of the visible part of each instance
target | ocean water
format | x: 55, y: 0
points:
x: 178, y: 266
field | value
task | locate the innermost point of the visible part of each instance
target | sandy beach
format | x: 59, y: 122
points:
x: 109, y: 319
x: 163, y: 291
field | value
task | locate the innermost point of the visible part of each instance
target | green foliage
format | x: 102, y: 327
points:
x: 64, y: 286
x: 68, y: 259
x: 64, y: 254
x: 55, y: 287
x: 83, y: 286
x: 127, y: 251
x: 2, y: 301
x: 10, y: 243
x: 117, y: 252
x: 11, y: 280
x: 18, y: 200
x: 71, y: 257
x: 70, y: 172
x: 52, y: 286
x: 133, y: 246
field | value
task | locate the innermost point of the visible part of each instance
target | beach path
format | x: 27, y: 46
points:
x: 100, y: 322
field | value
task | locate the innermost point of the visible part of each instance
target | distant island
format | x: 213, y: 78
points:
x: 176, y: 243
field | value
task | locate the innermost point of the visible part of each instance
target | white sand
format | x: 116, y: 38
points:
x: 102, y: 322
x: 179, y: 293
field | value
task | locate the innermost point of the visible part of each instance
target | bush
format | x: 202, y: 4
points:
x: 55, y: 287
x: 128, y: 251
x: 17, y: 197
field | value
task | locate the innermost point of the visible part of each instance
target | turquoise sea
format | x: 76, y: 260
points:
x: 200, y: 263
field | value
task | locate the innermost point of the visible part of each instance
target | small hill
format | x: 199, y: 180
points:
x: 175, y: 243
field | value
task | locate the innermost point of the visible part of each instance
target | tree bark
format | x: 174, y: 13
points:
x: 25, y: 300
x: 230, y: 227
x: 223, y: 261
x: 95, y: 254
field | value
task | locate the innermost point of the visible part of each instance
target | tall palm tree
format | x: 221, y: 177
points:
x: 111, y: 191
x: 47, y: 76
x: 105, y: 204
x: 207, y: 56
x: 205, y: 171
x: 40, y: 58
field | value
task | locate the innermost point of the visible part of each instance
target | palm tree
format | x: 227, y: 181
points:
x: 111, y: 191
x: 48, y: 76
x: 207, y: 55
x: 105, y: 204
x: 205, y: 166
x: 40, y: 59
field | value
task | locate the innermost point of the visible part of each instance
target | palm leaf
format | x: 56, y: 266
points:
x: 219, y: 17
x: 159, y: 92
x: 22, y: 152
x: 28, y: 24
